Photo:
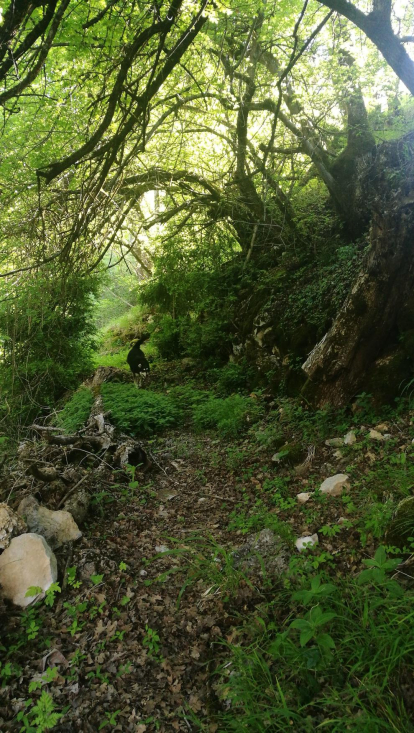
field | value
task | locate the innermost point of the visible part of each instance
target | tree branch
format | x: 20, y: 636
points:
x: 377, y: 27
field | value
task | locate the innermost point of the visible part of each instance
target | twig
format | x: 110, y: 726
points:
x: 69, y: 493
x: 222, y: 498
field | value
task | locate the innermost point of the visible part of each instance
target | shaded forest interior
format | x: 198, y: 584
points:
x: 227, y: 188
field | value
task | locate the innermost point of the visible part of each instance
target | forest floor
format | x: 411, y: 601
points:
x: 153, y: 604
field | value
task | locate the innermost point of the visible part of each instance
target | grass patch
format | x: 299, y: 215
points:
x: 116, y: 359
x: 76, y: 411
x: 140, y: 412
x: 229, y: 417
x: 333, y: 657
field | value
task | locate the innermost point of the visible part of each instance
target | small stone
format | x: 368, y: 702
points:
x: 161, y: 548
x: 304, y: 497
x: 350, y: 438
x: 304, y: 542
x: 382, y: 428
x: 375, y: 435
x: 387, y: 436
x: 334, y: 442
x: 334, y: 485
x: 11, y: 525
x: 56, y: 527
x: 28, y: 561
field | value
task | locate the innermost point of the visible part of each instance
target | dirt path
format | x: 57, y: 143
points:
x: 129, y: 650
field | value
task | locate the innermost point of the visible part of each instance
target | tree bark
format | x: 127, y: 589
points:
x: 338, y: 365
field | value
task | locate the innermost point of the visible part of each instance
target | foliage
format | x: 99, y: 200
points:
x: 39, y: 716
x: 257, y: 519
x: 306, y: 662
x: 232, y: 377
x: 139, y: 412
x: 76, y: 411
x: 230, y: 416
x: 47, y: 339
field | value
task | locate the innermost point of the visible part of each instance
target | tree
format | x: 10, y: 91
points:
x: 233, y: 114
x: 377, y: 26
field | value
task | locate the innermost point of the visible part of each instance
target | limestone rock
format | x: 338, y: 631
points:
x: 334, y: 485
x: 350, y: 438
x: 375, y: 435
x: 263, y: 549
x: 11, y: 525
x: 304, y: 497
x: 304, y: 542
x: 28, y: 561
x: 57, y: 527
x: 78, y: 504
x: 334, y: 442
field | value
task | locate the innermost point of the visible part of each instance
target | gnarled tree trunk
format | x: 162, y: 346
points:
x: 338, y: 365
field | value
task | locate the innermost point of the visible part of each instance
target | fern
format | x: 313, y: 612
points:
x: 45, y: 717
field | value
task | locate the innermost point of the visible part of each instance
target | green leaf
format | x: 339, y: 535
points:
x: 96, y: 579
x: 305, y: 637
x: 325, y: 641
x: 300, y: 623
x: 324, y: 618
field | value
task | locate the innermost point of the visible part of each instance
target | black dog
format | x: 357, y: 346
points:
x: 137, y: 360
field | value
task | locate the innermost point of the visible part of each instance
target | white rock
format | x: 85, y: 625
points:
x: 334, y: 485
x: 334, y: 442
x: 28, y: 561
x: 161, y: 548
x: 11, y: 525
x: 304, y: 542
x: 304, y: 497
x: 350, y: 438
x: 375, y: 435
x: 56, y: 527
x: 387, y: 436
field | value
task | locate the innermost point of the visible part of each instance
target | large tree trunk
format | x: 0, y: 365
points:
x: 339, y: 363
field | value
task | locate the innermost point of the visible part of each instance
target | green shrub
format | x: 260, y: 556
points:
x: 76, y: 411
x: 46, y: 341
x: 230, y: 416
x: 232, y: 377
x: 167, y: 338
x: 139, y: 412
